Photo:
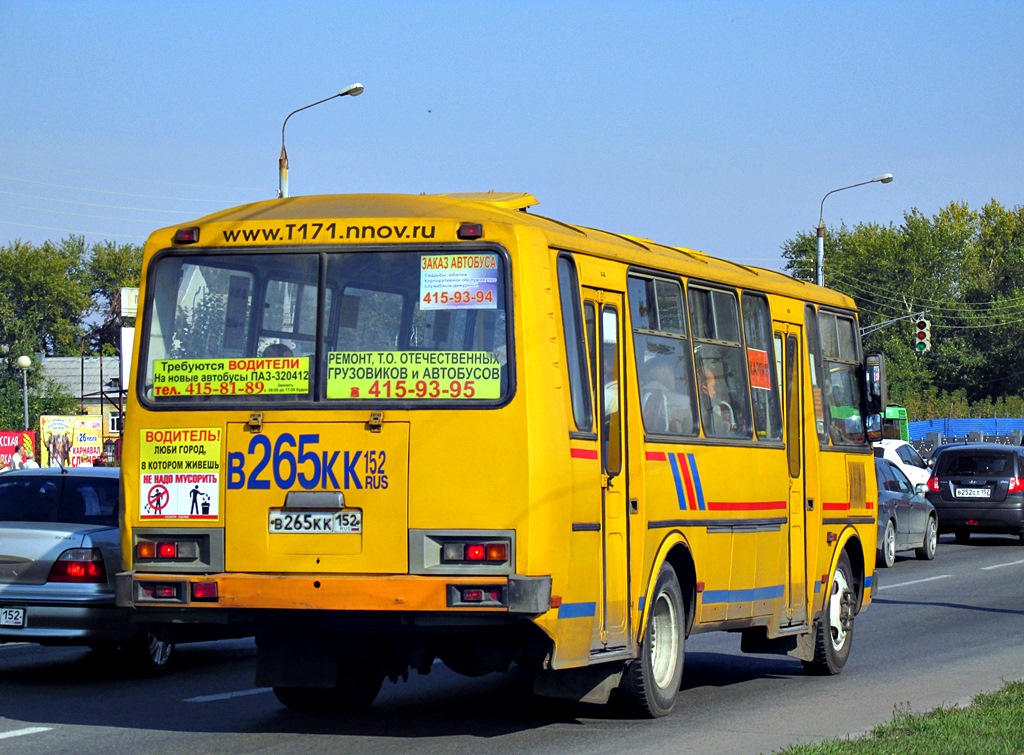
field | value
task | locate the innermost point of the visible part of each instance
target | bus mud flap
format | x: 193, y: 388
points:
x: 796, y: 645
x: 589, y: 684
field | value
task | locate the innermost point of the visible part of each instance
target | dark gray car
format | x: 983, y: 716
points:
x: 60, y: 551
x: 906, y: 520
x: 979, y: 488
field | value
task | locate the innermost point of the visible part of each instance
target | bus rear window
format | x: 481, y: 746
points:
x: 409, y: 326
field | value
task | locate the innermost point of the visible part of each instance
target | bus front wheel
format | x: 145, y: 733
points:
x: 651, y: 682
x: 834, y: 633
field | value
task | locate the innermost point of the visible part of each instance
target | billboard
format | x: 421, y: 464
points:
x: 70, y: 441
x: 11, y: 439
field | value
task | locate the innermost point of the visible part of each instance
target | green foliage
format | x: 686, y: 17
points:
x: 965, y: 270
x: 50, y: 296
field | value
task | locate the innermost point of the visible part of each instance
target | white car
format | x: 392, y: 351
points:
x: 903, y: 455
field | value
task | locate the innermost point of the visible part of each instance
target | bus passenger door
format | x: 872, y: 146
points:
x: 797, y: 489
x: 607, y: 358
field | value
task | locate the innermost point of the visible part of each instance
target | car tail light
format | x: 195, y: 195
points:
x: 1016, y: 485
x: 81, y: 565
x: 933, y: 484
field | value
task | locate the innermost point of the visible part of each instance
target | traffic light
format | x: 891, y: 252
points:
x: 923, y: 336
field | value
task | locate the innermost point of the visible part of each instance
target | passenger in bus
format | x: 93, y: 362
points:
x: 718, y: 414
x: 276, y: 350
x: 665, y: 410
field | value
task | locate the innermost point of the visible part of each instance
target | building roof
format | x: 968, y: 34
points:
x: 84, y: 377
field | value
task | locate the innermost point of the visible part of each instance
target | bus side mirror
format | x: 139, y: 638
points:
x: 873, y: 426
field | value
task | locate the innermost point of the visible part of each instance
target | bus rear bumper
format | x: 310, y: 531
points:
x: 515, y: 594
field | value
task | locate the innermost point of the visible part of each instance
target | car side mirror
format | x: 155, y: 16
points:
x: 921, y: 488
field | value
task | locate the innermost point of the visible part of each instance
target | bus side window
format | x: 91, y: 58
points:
x: 572, y: 328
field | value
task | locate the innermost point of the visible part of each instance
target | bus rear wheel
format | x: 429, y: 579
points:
x: 834, y: 633
x: 651, y: 682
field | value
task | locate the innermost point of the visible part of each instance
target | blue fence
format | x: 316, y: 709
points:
x: 962, y: 428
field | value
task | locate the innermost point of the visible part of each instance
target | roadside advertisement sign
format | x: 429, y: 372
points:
x: 70, y: 441
x: 11, y: 439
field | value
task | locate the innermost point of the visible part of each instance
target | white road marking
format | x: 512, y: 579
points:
x: 23, y: 732
x: 916, y: 581
x: 1000, y: 566
x: 227, y: 695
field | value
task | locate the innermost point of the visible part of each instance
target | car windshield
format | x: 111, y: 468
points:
x: 976, y: 464
x: 59, y: 498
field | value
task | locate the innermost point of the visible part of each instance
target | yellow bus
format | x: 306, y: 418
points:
x: 378, y: 430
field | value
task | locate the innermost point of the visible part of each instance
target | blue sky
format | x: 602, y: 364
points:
x: 713, y: 125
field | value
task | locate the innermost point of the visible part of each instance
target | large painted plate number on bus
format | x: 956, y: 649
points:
x: 287, y: 462
x: 348, y: 522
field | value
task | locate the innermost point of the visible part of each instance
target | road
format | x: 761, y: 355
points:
x: 938, y: 633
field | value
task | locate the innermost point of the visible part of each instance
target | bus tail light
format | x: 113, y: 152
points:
x: 470, y: 231
x: 477, y: 596
x: 80, y: 565
x: 473, y: 552
x: 185, y: 549
x: 186, y: 236
x: 203, y: 591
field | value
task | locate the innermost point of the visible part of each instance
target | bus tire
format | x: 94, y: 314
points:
x: 651, y: 683
x: 834, y: 633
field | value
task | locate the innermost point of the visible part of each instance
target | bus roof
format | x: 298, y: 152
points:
x: 511, y: 208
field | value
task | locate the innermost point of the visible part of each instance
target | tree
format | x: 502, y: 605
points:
x: 965, y: 270
x: 111, y: 267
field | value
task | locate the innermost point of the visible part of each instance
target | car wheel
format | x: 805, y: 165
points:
x: 887, y: 553
x: 931, y: 540
x: 149, y: 654
x: 834, y: 632
x: 962, y: 536
x: 651, y: 683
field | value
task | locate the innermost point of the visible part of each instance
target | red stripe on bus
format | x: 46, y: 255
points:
x: 583, y: 453
x: 746, y: 505
x: 836, y: 506
x: 684, y: 466
x: 656, y: 456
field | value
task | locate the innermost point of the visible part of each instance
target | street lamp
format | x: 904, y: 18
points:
x: 352, y: 90
x: 24, y: 363
x: 882, y: 179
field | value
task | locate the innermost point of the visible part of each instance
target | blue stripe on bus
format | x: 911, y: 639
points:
x: 641, y: 603
x: 696, y: 482
x: 680, y: 492
x: 869, y: 581
x: 576, y: 610
x: 743, y: 596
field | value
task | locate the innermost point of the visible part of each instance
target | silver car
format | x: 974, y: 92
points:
x: 906, y: 519
x: 60, y: 551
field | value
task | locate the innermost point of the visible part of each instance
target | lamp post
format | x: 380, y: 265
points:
x: 882, y: 179
x: 24, y: 363
x: 352, y: 90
